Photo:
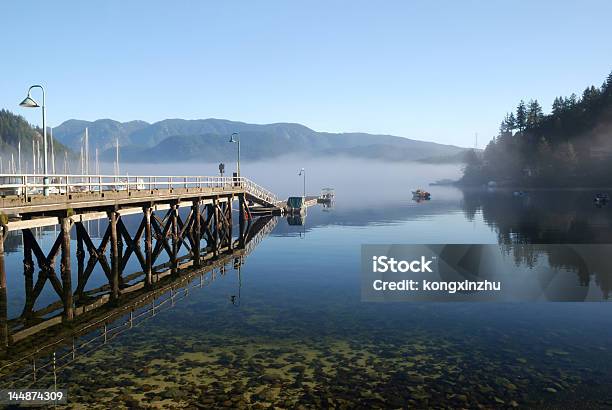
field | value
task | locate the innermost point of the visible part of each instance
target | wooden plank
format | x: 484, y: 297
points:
x: 91, y: 216
x: 32, y: 223
x: 17, y: 336
x: 115, y: 199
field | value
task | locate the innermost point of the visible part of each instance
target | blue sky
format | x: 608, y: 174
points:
x: 431, y: 70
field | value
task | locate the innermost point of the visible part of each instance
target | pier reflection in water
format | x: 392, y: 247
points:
x: 41, y: 345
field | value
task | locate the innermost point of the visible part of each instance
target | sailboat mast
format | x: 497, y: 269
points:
x: 19, y: 155
x: 86, y: 151
x: 38, y: 157
x: 52, y: 151
x: 117, y: 156
x: 33, y: 157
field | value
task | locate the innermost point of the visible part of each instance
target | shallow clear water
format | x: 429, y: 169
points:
x: 297, y: 332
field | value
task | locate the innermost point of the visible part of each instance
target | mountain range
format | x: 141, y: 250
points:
x: 208, y: 140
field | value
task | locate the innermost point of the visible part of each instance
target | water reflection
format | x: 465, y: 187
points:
x: 41, y: 345
x: 525, y: 224
x: 292, y: 331
x: 545, y: 216
x: 296, y: 219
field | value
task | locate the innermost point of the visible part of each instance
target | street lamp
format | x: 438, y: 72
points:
x: 303, y: 172
x: 29, y: 102
x: 238, y: 142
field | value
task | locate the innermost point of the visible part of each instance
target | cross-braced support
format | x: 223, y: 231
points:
x: 161, y: 244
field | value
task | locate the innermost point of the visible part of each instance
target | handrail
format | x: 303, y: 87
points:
x: 24, y: 185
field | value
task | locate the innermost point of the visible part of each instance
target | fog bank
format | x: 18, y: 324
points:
x: 353, y: 179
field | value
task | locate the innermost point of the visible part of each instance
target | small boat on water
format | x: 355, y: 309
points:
x: 421, y: 194
x: 327, y: 196
x: 601, y: 199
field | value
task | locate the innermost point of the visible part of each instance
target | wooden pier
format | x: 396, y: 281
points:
x: 172, y: 243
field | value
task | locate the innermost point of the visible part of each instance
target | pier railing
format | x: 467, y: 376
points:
x: 24, y: 185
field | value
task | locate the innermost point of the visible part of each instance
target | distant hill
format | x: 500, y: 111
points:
x: 103, y: 132
x: 207, y: 140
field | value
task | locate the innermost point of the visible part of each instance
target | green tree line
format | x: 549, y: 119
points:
x: 571, y: 146
x: 14, y: 129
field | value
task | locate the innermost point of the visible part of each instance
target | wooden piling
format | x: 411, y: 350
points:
x: 148, y: 247
x: 241, y: 220
x: 216, y: 227
x: 115, y: 261
x: 119, y: 249
x: 80, y: 254
x: 4, y: 333
x: 174, y: 230
x: 230, y: 211
x: 28, y: 273
x: 195, y: 234
x: 65, y: 271
x: 2, y: 266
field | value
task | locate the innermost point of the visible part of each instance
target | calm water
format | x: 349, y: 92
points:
x: 297, y: 332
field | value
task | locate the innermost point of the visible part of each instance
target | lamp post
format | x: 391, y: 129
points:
x: 238, y: 142
x: 303, y: 172
x: 29, y: 102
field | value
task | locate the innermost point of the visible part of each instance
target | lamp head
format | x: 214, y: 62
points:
x: 232, y: 137
x: 29, y: 102
x: 302, y: 170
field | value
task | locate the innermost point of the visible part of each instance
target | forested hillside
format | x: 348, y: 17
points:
x: 14, y: 129
x: 570, y: 147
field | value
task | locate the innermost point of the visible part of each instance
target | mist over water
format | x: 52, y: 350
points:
x: 357, y: 182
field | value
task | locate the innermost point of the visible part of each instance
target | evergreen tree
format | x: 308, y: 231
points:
x: 511, y: 122
x: 506, y: 125
x: 558, y: 106
x: 534, y: 114
x: 606, y: 89
x: 472, y: 172
x: 590, y: 96
x: 608, y: 85
x: 521, y: 116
